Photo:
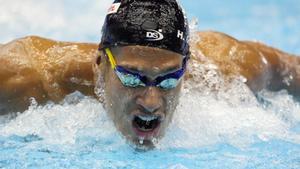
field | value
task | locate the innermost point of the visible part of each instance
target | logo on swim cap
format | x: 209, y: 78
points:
x: 114, y: 8
x: 180, y: 35
x: 154, y: 35
x: 153, y: 23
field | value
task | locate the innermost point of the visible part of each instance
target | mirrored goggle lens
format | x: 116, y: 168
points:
x: 169, y: 83
x: 131, y: 80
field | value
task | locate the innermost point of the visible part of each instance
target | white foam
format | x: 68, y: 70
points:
x: 202, y: 118
x: 61, y: 123
x: 212, y: 110
x: 231, y: 114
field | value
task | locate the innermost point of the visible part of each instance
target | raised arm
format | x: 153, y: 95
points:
x: 43, y: 69
x: 285, y: 68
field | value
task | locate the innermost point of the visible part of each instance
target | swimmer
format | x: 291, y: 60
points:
x: 138, y: 69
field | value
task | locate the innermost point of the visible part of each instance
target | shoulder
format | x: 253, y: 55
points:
x: 54, y: 63
x: 233, y: 57
x: 44, y: 44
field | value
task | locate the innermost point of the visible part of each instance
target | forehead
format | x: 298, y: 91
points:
x: 147, y: 56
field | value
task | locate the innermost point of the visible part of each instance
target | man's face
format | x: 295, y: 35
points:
x: 142, y: 113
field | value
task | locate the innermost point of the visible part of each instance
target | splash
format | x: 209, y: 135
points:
x: 233, y: 115
x: 61, y: 123
x: 212, y: 110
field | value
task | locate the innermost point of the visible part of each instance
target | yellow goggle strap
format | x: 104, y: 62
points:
x: 111, y: 58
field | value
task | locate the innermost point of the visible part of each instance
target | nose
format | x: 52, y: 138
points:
x: 150, y: 101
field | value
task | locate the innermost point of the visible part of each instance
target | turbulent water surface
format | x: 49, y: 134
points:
x: 229, y: 129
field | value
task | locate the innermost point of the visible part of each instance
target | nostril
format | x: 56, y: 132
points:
x: 150, y: 101
x: 149, y: 106
x: 151, y: 109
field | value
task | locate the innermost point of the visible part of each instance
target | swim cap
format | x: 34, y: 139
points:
x: 155, y: 23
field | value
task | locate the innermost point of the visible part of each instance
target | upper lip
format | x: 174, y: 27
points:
x: 148, y: 117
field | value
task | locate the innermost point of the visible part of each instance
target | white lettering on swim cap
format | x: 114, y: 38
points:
x: 154, y: 35
x: 114, y: 8
x: 180, y: 35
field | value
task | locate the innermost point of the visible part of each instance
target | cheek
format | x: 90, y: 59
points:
x: 113, y: 90
x: 172, y: 98
x: 118, y: 98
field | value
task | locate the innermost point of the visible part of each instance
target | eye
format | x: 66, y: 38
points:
x: 129, y: 79
x: 168, y: 83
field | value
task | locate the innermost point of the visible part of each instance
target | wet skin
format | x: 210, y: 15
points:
x: 49, y: 70
x: 123, y: 103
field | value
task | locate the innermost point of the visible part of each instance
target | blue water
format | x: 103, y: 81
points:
x: 207, y: 132
x: 227, y: 130
x: 22, y: 152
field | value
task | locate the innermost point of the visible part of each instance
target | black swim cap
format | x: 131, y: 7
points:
x: 155, y: 23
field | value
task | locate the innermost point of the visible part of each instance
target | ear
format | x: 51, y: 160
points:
x: 100, y: 63
x: 98, y: 59
x: 97, y: 62
x: 98, y: 69
x: 101, y: 58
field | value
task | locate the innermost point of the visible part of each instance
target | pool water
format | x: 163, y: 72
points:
x: 231, y: 128
x: 207, y: 132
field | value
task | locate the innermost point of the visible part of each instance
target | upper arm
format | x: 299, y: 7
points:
x: 18, y: 81
x: 43, y: 69
x: 235, y: 58
x: 285, y: 68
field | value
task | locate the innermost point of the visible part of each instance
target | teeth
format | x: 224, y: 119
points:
x: 148, y: 118
x: 141, y: 141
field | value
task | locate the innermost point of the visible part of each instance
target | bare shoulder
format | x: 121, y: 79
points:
x: 19, y: 80
x: 44, y: 69
x: 234, y: 57
x: 64, y: 66
x: 285, y: 68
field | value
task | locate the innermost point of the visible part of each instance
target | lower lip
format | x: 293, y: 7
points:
x: 146, y: 135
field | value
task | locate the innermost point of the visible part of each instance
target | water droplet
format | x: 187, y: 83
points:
x: 194, y: 24
x: 154, y: 140
x: 141, y: 141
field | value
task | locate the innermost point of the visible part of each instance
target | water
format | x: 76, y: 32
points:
x: 232, y: 128
x: 225, y: 129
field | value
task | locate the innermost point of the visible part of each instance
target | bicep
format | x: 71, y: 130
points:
x: 285, y: 68
x: 17, y: 85
x: 289, y: 68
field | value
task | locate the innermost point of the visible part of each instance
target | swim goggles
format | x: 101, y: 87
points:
x: 134, y: 79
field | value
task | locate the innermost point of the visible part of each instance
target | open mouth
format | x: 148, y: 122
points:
x: 146, y: 125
